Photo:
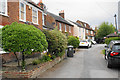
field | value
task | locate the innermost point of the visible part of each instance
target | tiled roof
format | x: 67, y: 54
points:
x: 49, y: 26
x: 58, y: 18
x: 79, y: 25
x: 34, y: 4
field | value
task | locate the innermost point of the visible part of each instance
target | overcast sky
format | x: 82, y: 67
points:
x: 93, y: 12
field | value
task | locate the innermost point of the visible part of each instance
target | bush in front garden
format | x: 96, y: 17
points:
x: 73, y: 41
x: 23, y: 38
x: 57, y: 42
x: 108, y: 40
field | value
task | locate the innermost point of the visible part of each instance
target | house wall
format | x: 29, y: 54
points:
x: 82, y: 33
x: 63, y: 28
x: 13, y: 15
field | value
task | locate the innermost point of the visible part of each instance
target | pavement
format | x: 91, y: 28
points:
x: 86, y: 63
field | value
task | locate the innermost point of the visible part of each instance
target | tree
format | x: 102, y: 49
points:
x: 23, y: 38
x: 105, y: 29
x: 0, y: 37
x: 73, y: 41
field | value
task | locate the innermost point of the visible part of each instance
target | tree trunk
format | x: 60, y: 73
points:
x: 23, y: 61
x: 17, y: 59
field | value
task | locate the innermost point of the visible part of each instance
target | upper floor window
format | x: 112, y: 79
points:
x: 3, y: 7
x: 65, y: 29
x: 87, y: 31
x: 43, y: 18
x: 60, y: 27
x: 69, y: 29
x: 83, y: 30
x: 35, y: 16
x: 22, y: 12
x: 91, y: 32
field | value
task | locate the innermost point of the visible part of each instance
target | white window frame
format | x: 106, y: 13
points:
x: 69, y: 29
x: 6, y: 13
x: 43, y: 18
x: 37, y: 15
x: 60, y: 27
x: 24, y: 12
x: 65, y: 28
x: 87, y: 31
x: 91, y: 32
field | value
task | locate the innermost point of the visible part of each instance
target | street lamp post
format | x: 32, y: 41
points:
x: 115, y: 22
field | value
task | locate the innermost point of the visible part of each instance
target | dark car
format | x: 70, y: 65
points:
x: 112, y: 53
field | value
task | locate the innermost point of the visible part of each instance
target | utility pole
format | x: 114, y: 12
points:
x: 116, y: 23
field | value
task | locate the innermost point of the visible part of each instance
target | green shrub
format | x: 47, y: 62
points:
x: 108, y: 40
x: 52, y: 41
x: 57, y: 42
x: 53, y: 57
x: 46, y: 58
x: 73, y: 41
x: 35, y: 62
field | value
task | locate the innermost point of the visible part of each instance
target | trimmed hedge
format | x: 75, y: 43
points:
x: 107, y: 41
x: 57, y: 42
x: 74, y: 41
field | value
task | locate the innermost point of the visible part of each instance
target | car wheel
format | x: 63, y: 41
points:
x: 88, y: 46
x: 109, y: 65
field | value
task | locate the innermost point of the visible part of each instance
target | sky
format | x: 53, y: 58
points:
x: 94, y: 12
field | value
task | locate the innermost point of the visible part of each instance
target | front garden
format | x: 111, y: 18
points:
x: 22, y: 41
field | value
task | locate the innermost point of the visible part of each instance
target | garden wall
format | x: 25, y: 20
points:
x: 10, y: 57
x: 33, y: 73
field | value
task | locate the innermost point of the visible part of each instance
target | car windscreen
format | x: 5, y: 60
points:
x: 116, y: 48
x: 83, y: 41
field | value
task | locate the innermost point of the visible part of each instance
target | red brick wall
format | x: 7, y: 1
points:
x: 67, y: 27
x: 13, y: 15
x: 28, y: 14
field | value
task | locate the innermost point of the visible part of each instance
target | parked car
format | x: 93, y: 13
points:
x: 85, y: 43
x: 93, y: 42
x: 112, y: 53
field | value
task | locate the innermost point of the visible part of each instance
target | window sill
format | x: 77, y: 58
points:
x: 36, y: 23
x: 22, y: 20
x: 4, y: 15
x: 60, y: 30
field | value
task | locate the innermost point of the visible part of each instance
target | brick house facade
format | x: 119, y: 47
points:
x: 21, y: 11
x: 58, y: 21
x: 89, y: 32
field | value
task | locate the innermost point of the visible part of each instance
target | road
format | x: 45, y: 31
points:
x: 86, y: 63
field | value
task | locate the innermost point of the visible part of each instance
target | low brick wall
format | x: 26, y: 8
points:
x: 33, y: 73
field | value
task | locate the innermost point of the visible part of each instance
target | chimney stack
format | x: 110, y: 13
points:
x: 61, y: 13
x: 40, y: 4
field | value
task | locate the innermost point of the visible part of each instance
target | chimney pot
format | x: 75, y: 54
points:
x: 61, y: 13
